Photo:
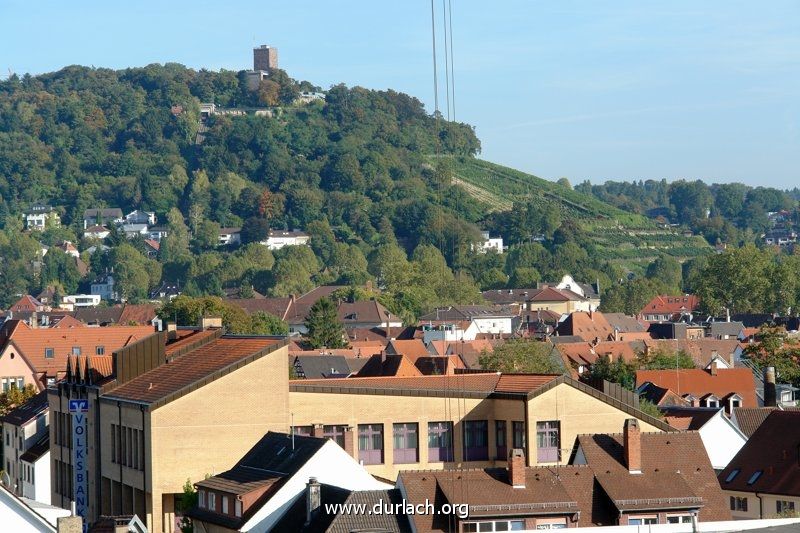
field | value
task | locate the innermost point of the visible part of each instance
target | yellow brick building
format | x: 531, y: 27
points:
x: 436, y: 422
x: 161, y: 412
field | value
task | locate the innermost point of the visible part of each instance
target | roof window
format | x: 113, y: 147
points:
x: 732, y: 475
x: 754, y: 477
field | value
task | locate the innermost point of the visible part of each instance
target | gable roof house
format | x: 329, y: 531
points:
x: 721, y: 437
x: 102, y: 217
x: 632, y: 478
x: 467, y: 322
x: 724, y: 387
x: 145, y: 402
x: 591, y: 327
x: 261, y: 488
x: 763, y: 479
x: 667, y: 308
x: 26, y: 448
x: 38, y: 356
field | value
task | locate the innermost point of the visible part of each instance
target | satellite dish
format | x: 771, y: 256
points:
x: 5, y: 479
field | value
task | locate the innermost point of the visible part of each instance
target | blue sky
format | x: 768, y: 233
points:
x: 588, y: 90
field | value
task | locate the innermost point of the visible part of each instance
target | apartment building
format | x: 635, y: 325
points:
x: 26, y: 449
x: 392, y: 424
x: 175, y: 406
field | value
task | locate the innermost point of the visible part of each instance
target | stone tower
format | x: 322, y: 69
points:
x: 265, y: 58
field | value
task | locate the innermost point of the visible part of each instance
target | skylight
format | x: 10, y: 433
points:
x: 732, y: 475
x: 754, y: 477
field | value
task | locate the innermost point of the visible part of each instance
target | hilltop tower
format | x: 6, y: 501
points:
x: 265, y: 58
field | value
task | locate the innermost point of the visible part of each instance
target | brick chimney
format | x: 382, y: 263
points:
x: 770, y: 394
x: 712, y: 368
x: 313, y: 499
x: 516, y: 468
x: 632, y: 442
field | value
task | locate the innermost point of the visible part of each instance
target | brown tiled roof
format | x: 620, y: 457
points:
x: 99, y: 315
x: 773, y: 451
x: 26, y: 303
x: 523, y: 383
x: 702, y: 351
x: 473, y: 384
x: 699, y: 382
x: 137, y: 314
x: 663, y: 456
x: 661, y: 396
x: 368, y: 334
x: 750, y: 418
x: 311, y: 297
x: 31, y: 342
x: 364, y: 311
x: 183, y: 371
x: 689, y: 418
x: 27, y: 411
x: 438, y: 364
x: 588, y: 326
x: 67, y: 321
x: 668, y: 305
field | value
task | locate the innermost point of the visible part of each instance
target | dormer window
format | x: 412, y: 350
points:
x: 76, y: 350
x: 712, y: 401
x: 49, y: 353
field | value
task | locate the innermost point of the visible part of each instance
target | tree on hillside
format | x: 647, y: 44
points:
x: 521, y: 355
x: 667, y: 270
x: 188, y: 311
x: 631, y: 296
x: 324, y: 327
x: 737, y: 279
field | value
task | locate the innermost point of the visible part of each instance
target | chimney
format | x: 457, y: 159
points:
x: 713, y: 368
x: 34, y: 320
x: 172, y: 331
x: 770, y: 394
x: 516, y: 468
x: 210, y: 322
x: 313, y: 499
x: 632, y: 442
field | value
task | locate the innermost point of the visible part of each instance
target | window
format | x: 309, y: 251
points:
x: 99, y: 350
x: 212, y: 501
x: 732, y: 475
x: 406, y: 441
x: 712, y: 401
x: 224, y: 505
x: 642, y: 520
x: 201, y: 499
x: 440, y: 442
x: 754, y: 477
x: 335, y: 433
x: 500, y: 439
x: 519, y: 435
x: 496, y: 525
x: 547, y: 441
x: 303, y: 431
x: 370, y: 443
x: 784, y: 507
x: 476, y: 440
x: 738, y: 504
x: 49, y: 353
x: 76, y: 350
x: 237, y: 506
x: 679, y: 519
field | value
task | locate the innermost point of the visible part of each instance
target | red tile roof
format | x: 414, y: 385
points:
x: 669, y: 305
x: 588, y: 326
x: 412, y: 348
x: 701, y: 382
x: 26, y: 303
x: 31, y: 342
x: 388, y: 365
x: 185, y: 370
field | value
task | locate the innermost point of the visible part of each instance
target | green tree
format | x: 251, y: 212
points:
x: 134, y: 274
x: 737, y: 279
x: 774, y: 347
x: 521, y: 355
x: 14, y: 397
x: 186, y: 501
x: 324, y: 327
x: 616, y: 371
x: 667, y: 270
x: 665, y: 359
x: 262, y: 323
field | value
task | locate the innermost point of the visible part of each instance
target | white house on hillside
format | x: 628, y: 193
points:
x: 277, y: 239
x: 489, y: 244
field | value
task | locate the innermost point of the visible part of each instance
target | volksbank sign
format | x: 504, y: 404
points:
x: 80, y: 450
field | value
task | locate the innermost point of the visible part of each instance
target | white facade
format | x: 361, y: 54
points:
x: 278, y: 239
x: 96, y: 232
x: 16, y: 441
x: 141, y: 217
x: 20, y: 517
x: 38, y: 217
x: 104, y: 288
x: 489, y: 244
x: 229, y: 237
x: 81, y: 300
x: 331, y: 465
x: 36, y: 478
x: 132, y: 230
x: 722, y: 440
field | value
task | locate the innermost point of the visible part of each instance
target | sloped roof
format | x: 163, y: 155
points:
x: 412, y: 348
x: 27, y: 411
x: 689, y: 418
x: 666, y: 304
x: 749, y: 419
x: 37, y: 451
x: 701, y: 382
x: 383, y: 522
x: 588, y: 326
x: 137, y: 314
x: 772, y: 450
x: 31, y: 342
x: 322, y: 366
x: 278, y: 307
x: 26, y: 303
x: 388, y: 365
x: 702, y: 351
x: 674, y: 465
x: 207, y: 360
x: 624, y: 323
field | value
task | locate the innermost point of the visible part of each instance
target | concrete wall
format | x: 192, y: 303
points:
x: 209, y: 429
x: 765, y: 508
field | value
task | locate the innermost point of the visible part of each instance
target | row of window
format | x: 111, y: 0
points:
x: 15, y: 382
x: 63, y: 479
x: 127, y: 446
x: 50, y: 353
x: 62, y: 428
x: 208, y: 500
x: 405, y: 440
x: 646, y: 520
